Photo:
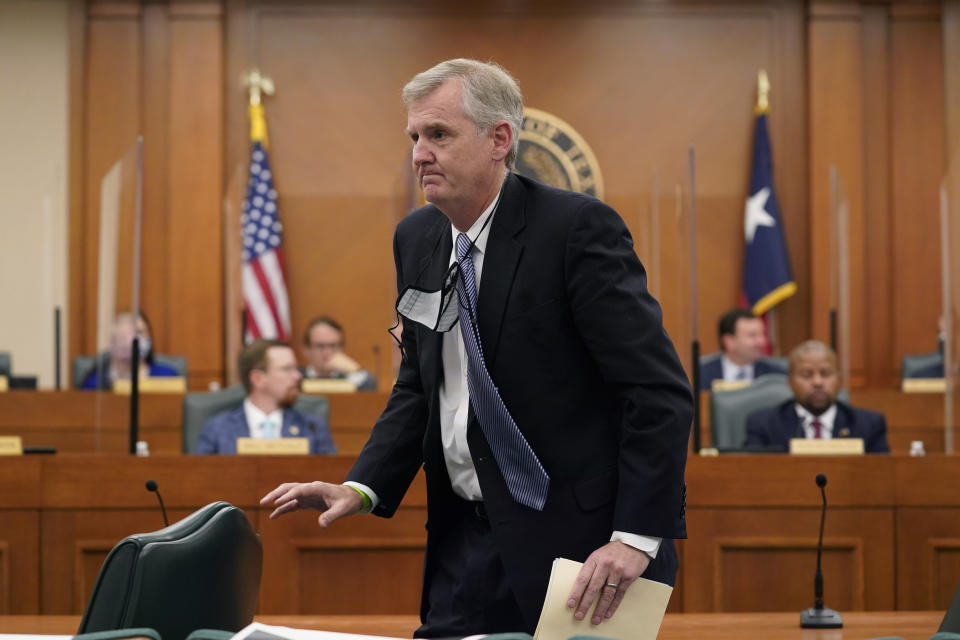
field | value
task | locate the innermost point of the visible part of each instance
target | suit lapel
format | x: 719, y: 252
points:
x: 842, y: 423
x: 437, y: 246
x: 500, y: 266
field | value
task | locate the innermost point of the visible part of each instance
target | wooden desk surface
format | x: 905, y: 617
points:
x: 66, y: 419
x: 95, y: 422
x: 910, y: 625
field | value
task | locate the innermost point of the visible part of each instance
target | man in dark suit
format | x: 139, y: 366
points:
x: 552, y: 420
x: 268, y: 369
x: 814, y: 412
x: 743, y: 342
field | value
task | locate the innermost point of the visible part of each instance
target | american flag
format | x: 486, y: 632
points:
x: 265, y: 301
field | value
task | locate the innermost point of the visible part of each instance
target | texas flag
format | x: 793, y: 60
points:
x: 767, y: 279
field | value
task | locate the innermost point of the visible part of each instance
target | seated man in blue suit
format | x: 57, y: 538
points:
x: 743, y: 340
x: 268, y: 369
x: 814, y: 412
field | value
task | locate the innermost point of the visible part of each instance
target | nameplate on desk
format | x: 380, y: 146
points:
x: 923, y: 385
x: 327, y: 385
x: 273, y: 446
x: 4, y: 384
x: 831, y: 447
x: 728, y: 385
x: 11, y: 446
x: 152, y: 385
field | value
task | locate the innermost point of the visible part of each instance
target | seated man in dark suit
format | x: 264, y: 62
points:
x: 814, y: 412
x: 743, y: 340
x: 268, y: 369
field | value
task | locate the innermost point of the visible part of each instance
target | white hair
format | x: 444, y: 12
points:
x: 490, y: 94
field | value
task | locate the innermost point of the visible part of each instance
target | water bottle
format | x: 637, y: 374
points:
x: 143, y: 449
x: 916, y: 448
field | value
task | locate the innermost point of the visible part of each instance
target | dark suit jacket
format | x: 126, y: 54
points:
x: 714, y: 369
x: 777, y: 425
x: 576, y: 346
x: 220, y: 433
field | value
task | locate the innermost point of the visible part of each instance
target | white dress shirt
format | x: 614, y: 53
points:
x: 827, y: 418
x: 256, y: 418
x: 734, y: 372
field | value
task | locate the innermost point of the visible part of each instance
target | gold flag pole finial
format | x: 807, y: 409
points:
x: 257, y: 84
x: 763, y: 93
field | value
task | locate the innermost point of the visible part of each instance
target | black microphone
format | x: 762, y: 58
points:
x: 820, y: 617
x: 152, y: 486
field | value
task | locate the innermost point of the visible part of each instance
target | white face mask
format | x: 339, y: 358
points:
x: 436, y: 310
x: 145, y: 346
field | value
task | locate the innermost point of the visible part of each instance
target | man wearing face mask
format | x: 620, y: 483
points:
x: 814, y: 412
x: 552, y: 420
x: 116, y: 365
x: 268, y: 370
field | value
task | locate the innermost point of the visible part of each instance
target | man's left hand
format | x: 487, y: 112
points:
x: 612, y: 564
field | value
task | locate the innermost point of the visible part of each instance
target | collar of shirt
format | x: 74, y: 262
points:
x: 255, y: 418
x: 827, y: 418
x: 730, y: 370
x: 478, y: 232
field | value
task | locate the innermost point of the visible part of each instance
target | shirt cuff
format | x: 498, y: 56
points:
x: 648, y: 544
x: 367, y: 493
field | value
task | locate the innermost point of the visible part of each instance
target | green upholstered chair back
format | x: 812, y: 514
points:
x: 83, y: 365
x: 914, y: 363
x: 201, y: 572
x: 951, y: 619
x: 729, y: 409
x: 121, y: 634
x: 200, y: 407
x: 782, y: 362
x: 5, y: 366
x: 314, y: 405
x: 710, y: 357
x: 210, y: 634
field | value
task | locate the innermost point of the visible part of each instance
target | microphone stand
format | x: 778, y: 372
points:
x: 818, y: 616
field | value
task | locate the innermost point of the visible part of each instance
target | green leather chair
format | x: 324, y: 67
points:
x: 210, y: 634
x: 5, y: 366
x: 729, y: 409
x: 83, y: 365
x: 200, y: 407
x: 201, y: 572
x: 120, y: 634
x: 913, y: 364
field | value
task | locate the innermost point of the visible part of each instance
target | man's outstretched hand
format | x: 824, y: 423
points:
x: 333, y: 501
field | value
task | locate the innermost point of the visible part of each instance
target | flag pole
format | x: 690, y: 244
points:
x: 694, y: 342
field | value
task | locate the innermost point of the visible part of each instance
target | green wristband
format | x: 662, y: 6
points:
x: 367, y: 502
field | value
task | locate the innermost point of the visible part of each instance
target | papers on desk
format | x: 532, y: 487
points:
x: 258, y: 631
x: 637, y: 618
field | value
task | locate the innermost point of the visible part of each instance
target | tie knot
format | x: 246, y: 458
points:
x: 463, y: 246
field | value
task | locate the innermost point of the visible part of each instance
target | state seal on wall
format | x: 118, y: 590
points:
x: 552, y: 152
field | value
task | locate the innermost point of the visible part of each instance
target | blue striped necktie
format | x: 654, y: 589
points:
x: 526, y: 478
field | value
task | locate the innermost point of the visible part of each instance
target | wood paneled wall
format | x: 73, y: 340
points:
x: 156, y: 69
x: 863, y: 86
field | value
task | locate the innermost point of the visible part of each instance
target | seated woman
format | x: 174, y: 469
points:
x: 117, y: 367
